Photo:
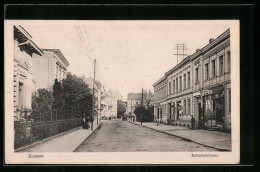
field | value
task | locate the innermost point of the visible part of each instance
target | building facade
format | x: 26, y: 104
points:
x: 99, y: 92
x: 111, y: 100
x: 106, y: 101
x: 159, y: 101
x: 24, y: 49
x: 199, y: 86
x: 48, y: 67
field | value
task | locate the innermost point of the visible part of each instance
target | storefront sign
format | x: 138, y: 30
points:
x: 215, y: 96
x: 218, y: 89
x: 207, y: 92
x: 196, y: 94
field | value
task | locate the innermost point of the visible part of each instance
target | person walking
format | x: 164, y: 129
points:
x: 87, y: 122
x: 192, y: 122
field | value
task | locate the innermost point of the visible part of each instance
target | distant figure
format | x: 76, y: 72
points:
x: 83, y: 123
x: 192, y: 123
x: 87, y: 123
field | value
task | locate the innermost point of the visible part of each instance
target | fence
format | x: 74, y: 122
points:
x: 28, y: 132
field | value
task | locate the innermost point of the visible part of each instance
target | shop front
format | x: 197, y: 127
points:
x: 214, y: 108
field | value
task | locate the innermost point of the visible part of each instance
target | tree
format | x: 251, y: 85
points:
x: 147, y: 98
x: 121, y: 108
x: 147, y: 109
x: 58, y: 100
x: 77, y: 98
x: 42, y: 105
x: 146, y: 112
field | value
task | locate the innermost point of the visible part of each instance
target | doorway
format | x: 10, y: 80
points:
x: 178, y: 110
x: 219, y: 110
x: 200, y: 116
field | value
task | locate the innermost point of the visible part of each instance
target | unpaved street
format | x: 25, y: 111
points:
x: 122, y: 136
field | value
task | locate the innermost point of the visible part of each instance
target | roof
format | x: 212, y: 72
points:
x: 159, y: 81
x: 224, y: 35
x: 134, y: 96
x: 25, y: 39
x: 59, y: 54
x: 183, y: 62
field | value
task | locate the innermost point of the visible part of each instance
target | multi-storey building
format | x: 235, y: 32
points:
x: 48, y: 67
x: 199, y: 86
x: 24, y: 48
x: 106, y: 101
x: 159, y: 101
x: 99, y: 92
x: 112, y: 104
x: 179, y: 92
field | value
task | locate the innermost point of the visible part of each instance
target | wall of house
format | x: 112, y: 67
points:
x: 22, y: 75
x: 40, y: 69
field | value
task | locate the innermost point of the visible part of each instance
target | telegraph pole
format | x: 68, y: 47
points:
x: 179, y: 53
x: 142, y: 115
x: 100, y: 109
x: 93, y: 99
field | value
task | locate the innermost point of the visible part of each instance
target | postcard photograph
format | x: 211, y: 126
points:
x: 122, y: 92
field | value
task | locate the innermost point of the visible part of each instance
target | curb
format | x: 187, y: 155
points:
x: 22, y: 149
x: 98, y: 127
x: 183, y: 138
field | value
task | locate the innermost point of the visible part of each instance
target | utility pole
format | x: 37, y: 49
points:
x: 131, y: 108
x: 93, y: 99
x: 142, y: 115
x: 100, y: 108
x: 180, y: 47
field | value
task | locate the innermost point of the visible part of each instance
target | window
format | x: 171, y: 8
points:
x: 20, y: 95
x: 184, y: 107
x: 221, y: 65
x: 213, y: 69
x: 60, y: 75
x: 206, y: 71
x: 184, y: 82
x: 173, y: 84
x: 170, y: 86
x: 188, y: 106
x: 176, y: 84
x: 197, y: 75
x: 57, y: 70
x: 228, y: 62
x: 180, y: 83
x: 188, y: 79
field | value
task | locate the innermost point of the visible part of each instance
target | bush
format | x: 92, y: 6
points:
x: 42, y: 105
x: 143, y: 114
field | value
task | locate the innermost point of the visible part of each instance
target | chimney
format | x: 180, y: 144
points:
x: 211, y: 40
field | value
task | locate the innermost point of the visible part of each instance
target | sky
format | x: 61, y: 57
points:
x: 130, y: 55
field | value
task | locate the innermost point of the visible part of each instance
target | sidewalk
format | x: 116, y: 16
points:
x: 66, y: 142
x: 213, y: 139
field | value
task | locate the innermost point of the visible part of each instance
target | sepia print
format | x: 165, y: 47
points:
x: 122, y: 92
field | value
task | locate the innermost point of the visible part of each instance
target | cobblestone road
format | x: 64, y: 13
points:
x: 122, y: 136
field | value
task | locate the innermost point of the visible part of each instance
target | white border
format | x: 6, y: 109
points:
x: 11, y: 157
